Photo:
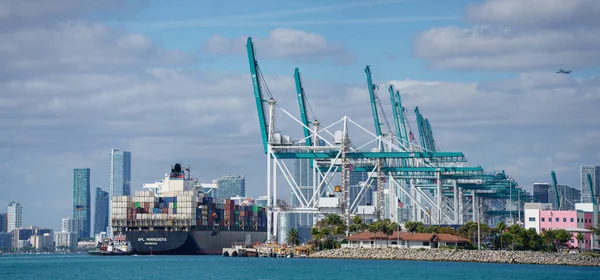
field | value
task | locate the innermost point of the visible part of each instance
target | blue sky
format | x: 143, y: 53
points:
x: 170, y: 82
x: 387, y: 45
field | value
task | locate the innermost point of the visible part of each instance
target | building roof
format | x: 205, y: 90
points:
x: 407, y: 236
x: 449, y: 238
x: 368, y: 236
x: 416, y: 236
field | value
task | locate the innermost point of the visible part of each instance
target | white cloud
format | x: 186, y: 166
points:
x: 282, y: 43
x: 535, y: 13
x: 80, y: 46
x: 516, y: 35
x: 48, y: 12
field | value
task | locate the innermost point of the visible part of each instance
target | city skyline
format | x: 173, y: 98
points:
x: 171, y: 83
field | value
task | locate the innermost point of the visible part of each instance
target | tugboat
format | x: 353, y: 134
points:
x: 119, y: 246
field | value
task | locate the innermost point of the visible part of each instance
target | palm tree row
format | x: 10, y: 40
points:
x: 328, y: 231
x: 385, y: 226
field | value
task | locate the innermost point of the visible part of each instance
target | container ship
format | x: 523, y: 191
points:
x: 176, y: 217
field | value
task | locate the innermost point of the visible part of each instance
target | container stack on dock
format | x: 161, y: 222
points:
x: 186, y: 209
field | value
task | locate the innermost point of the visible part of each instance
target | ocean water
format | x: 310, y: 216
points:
x: 81, y: 266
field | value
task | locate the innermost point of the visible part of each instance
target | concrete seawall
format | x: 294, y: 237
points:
x: 451, y: 255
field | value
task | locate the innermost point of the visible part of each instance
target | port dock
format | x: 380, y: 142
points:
x: 266, y: 251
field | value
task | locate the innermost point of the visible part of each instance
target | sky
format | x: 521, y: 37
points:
x: 170, y: 83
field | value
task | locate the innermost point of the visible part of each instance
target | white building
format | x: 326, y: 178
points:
x: 403, y: 240
x: 68, y: 225
x: 66, y: 239
x: 42, y: 242
x: 15, y: 216
x: 532, y: 214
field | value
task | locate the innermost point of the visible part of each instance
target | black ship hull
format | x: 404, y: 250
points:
x: 195, y: 242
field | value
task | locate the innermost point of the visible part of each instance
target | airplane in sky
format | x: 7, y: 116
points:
x: 561, y: 71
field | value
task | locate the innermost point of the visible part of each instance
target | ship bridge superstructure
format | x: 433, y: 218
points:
x: 178, y: 180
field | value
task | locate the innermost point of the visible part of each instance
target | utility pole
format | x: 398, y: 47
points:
x: 345, y: 179
x: 510, y: 203
x: 478, y: 224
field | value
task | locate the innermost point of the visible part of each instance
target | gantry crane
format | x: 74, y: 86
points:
x: 341, y: 156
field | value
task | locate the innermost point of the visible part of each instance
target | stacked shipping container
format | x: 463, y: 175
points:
x: 184, y: 209
x: 230, y: 215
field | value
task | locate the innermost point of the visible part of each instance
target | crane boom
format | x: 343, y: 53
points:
x: 421, y: 128
x: 302, y: 104
x: 402, y: 117
x: 258, y: 94
x: 555, y: 186
x: 430, y: 138
x: 396, y: 113
x: 399, y: 118
x: 373, y: 101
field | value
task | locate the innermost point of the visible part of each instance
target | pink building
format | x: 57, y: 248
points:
x: 569, y: 220
x: 540, y: 217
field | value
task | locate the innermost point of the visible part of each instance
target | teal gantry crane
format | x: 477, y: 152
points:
x: 556, y: 193
x: 342, y: 156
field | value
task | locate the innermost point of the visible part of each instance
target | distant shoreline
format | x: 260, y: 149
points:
x: 451, y: 255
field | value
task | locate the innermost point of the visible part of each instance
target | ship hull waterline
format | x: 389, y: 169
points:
x: 189, y: 242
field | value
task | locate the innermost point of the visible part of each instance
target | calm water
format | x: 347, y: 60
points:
x: 217, y: 267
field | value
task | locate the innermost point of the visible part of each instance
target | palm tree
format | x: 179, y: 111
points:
x: 501, y: 227
x: 293, y: 237
x: 580, y: 238
x: 334, y: 220
x: 362, y: 227
x: 389, y: 228
x: 374, y: 228
x: 316, y: 237
x: 357, y: 220
x: 357, y: 224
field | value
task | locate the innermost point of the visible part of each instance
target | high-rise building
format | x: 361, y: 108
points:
x: 81, y: 202
x: 3, y: 222
x: 540, y: 192
x: 594, y: 171
x: 230, y: 186
x: 101, y: 211
x: 15, y: 216
x: 68, y: 225
x: 120, y: 178
x: 567, y: 197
